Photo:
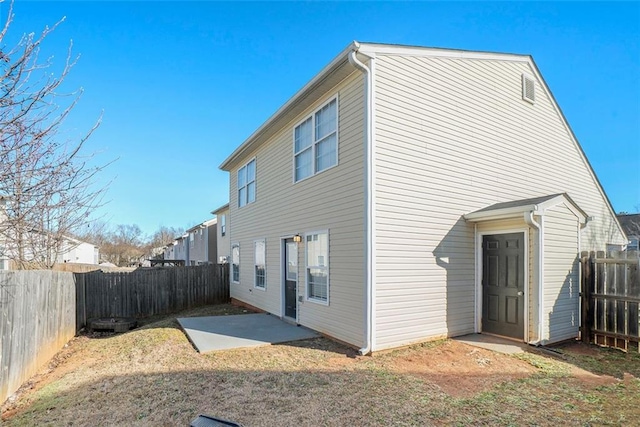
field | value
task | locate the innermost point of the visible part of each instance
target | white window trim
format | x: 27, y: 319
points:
x: 223, y: 225
x: 246, y: 184
x: 264, y: 241
x: 306, y: 266
x: 231, y: 275
x: 312, y: 115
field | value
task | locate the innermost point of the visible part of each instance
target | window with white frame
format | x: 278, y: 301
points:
x: 260, y: 275
x: 235, y: 263
x: 247, y: 184
x: 315, y: 142
x: 317, y: 269
x: 223, y: 225
x: 192, y: 238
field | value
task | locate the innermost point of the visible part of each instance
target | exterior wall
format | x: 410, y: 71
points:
x: 561, y: 316
x: 170, y: 252
x: 203, y: 250
x: 223, y: 242
x: 182, y: 249
x: 332, y: 200
x: 452, y: 136
x: 82, y: 253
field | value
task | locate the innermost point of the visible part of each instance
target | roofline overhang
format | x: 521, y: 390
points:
x: 220, y: 209
x: 329, y: 69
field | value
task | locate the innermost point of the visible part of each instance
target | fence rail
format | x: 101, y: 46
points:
x: 149, y: 291
x: 611, y: 299
x: 40, y: 311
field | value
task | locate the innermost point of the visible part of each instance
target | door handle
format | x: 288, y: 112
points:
x: 520, y: 293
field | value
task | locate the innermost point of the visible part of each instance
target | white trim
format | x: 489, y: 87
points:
x: 576, y: 144
x: 246, y: 184
x: 330, y: 68
x: 373, y: 202
x: 479, y: 272
x: 283, y: 277
x: 264, y: 242
x: 314, y: 143
x: 239, y: 260
x: 541, y: 256
x: 373, y: 49
x: 306, y: 284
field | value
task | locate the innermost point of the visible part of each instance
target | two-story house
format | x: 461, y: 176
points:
x: 224, y: 245
x: 203, y: 243
x: 407, y: 193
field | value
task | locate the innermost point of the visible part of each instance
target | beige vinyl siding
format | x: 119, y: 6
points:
x: 332, y: 200
x: 223, y: 243
x: 452, y: 136
x: 561, y: 275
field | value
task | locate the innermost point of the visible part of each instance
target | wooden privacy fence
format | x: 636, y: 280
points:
x: 149, y: 291
x: 611, y: 299
x: 37, y: 318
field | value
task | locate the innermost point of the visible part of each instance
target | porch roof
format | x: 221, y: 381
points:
x: 516, y: 208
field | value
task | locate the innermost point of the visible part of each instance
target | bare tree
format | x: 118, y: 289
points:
x: 47, y: 182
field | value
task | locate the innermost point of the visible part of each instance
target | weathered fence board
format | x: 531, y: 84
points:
x: 37, y: 318
x: 148, y: 292
x: 611, y: 299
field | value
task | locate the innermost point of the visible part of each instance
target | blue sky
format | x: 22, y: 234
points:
x: 182, y: 84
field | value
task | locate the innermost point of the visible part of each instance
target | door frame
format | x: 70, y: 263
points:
x: 283, y: 279
x: 479, y: 272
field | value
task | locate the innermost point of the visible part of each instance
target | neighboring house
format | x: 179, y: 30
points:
x: 224, y: 244
x: 79, y: 252
x: 170, y: 251
x: 631, y: 225
x: 407, y: 194
x: 181, y: 251
x: 203, y: 247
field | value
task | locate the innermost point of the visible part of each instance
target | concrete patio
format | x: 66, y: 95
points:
x: 494, y: 343
x: 215, y: 333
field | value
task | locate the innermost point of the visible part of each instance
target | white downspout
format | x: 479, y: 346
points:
x: 528, y: 218
x: 368, y: 199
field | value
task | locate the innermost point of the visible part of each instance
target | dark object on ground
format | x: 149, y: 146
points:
x: 115, y: 324
x: 208, y: 421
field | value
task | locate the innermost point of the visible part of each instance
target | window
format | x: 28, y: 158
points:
x: 317, y: 252
x: 260, y: 280
x: 247, y: 184
x: 223, y: 225
x: 292, y: 264
x: 315, y: 142
x: 192, y: 238
x: 235, y: 263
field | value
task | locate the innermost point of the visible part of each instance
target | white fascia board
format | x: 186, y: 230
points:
x: 506, y: 213
x: 371, y: 49
x: 570, y: 204
x: 536, y: 71
x: 327, y: 70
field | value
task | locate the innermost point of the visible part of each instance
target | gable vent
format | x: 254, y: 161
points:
x: 528, y: 89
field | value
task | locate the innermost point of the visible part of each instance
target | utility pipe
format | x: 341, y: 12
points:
x: 353, y: 60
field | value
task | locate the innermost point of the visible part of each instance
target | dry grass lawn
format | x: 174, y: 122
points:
x: 153, y: 376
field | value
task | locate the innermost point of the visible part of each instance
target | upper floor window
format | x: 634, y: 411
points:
x: 223, y: 225
x: 315, y: 142
x: 247, y: 183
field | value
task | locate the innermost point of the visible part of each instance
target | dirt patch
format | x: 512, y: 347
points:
x: 590, y: 379
x: 461, y: 370
x: 580, y: 349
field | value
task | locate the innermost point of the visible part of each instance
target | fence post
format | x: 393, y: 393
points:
x: 585, y: 297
